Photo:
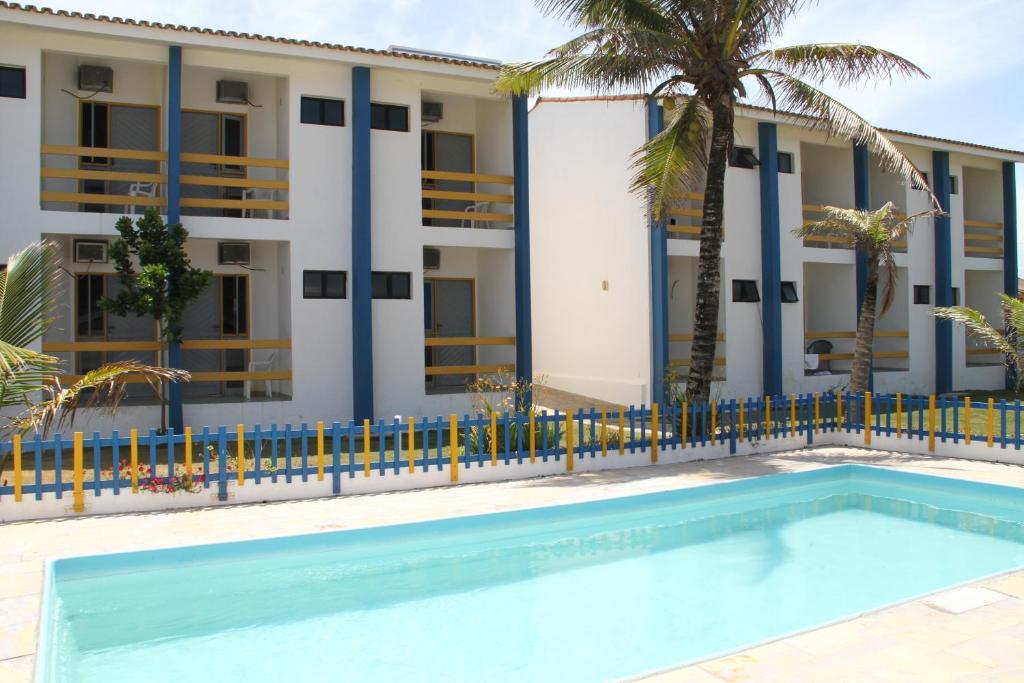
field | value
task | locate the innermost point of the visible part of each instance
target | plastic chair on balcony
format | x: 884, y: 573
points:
x: 477, y: 207
x: 252, y: 194
x: 817, y: 348
x: 140, y: 190
x: 260, y: 366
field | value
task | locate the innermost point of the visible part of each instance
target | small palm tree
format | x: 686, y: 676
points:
x: 28, y: 299
x: 1008, y: 341
x: 706, y: 54
x: 875, y: 235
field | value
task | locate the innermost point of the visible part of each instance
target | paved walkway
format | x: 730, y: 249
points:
x: 909, y: 642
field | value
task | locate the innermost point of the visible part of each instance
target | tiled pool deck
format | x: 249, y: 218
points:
x: 915, y: 641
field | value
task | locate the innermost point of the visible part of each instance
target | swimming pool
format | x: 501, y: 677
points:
x: 582, y: 592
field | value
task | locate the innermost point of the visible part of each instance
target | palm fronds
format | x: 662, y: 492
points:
x: 842, y: 63
x: 106, y: 386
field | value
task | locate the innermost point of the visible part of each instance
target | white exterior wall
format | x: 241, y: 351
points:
x: 824, y: 278
x: 314, y: 234
x: 587, y: 230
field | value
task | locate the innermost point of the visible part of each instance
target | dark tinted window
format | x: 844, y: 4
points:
x: 789, y: 293
x: 954, y: 185
x: 89, y: 314
x: 743, y: 157
x: 392, y: 285
x: 389, y: 117
x: 745, y: 291
x: 324, y: 284
x: 323, y: 112
x: 785, y: 162
x: 234, y: 304
x: 94, y: 130
x: 12, y: 82
x: 922, y: 294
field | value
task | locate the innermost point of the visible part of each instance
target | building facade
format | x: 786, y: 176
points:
x: 626, y: 289
x: 365, y: 213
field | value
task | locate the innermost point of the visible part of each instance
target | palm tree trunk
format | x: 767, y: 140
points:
x: 864, y: 346
x: 709, y: 271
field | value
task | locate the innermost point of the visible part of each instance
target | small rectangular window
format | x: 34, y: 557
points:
x: 322, y: 111
x: 954, y: 185
x: 392, y: 285
x: 324, y: 284
x: 916, y: 185
x: 956, y: 296
x: 12, y: 82
x: 785, y: 162
x: 789, y: 293
x: 389, y: 117
x: 743, y: 157
x: 922, y: 294
x: 745, y: 291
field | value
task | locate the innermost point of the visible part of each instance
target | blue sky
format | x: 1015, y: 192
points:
x: 970, y: 48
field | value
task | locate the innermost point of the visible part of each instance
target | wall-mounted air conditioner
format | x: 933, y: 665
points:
x: 431, y: 258
x: 233, y: 92
x: 233, y: 253
x: 95, y: 78
x: 431, y: 112
x: 90, y: 251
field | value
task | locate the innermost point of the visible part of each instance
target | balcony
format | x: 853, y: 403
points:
x: 816, y: 212
x: 215, y: 184
x: 983, y: 239
x: 452, y: 363
x: 467, y: 200
x: 684, y: 217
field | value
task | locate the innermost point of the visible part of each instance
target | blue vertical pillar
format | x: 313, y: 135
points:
x: 943, y: 275
x: 175, y: 411
x: 521, y: 211
x: 659, y: 277
x: 771, y: 260
x: 362, y: 278
x: 862, y: 201
x: 1009, y: 237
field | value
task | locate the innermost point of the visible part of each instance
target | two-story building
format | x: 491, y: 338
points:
x: 789, y: 306
x: 364, y: 212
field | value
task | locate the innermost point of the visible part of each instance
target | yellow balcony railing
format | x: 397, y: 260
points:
x: 115, y: 184
x: 239, y: 192
x: 475, y: 369
x: 850, y: 336
x: 983, y: 239
x: 446, y: 200
x: 687, y: 337
x: 816, y: 212
x: 145, y: 346
x: 684, y: 216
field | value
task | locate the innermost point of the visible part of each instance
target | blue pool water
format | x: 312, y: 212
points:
x: 586, y: 592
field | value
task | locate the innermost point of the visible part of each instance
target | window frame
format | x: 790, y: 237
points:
x: 321, y: 110
x: 742, y: 295
x: 789, y: 286
x: 390, y: 278
x: 927, y: 298
x: 389, y: 107
x: 24, y: 81
x: 743, y: 152
x: 791, y: 162
x: 323, y: 284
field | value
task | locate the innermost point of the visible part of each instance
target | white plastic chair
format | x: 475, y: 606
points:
x: 250, y: 194
x: 140, y: 190
x: 478, y: 207
x: 260, y: 366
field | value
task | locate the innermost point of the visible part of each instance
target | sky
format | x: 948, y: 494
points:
x: 969, y: 48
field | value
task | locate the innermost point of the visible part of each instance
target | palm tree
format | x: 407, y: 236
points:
x: 706, y: 53
x: 28, y: 298
x: 1008, y: 341
x: 875, y: 234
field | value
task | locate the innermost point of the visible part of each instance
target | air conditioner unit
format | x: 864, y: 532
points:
x: 431, y: 258
x: 95, y: 78
x: 431, y: 112
x: 233, y: 92
x: 90, y: 251
x: 233, y: 253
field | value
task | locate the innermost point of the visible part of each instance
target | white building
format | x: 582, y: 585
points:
x: 596, y: 270
x: 360, y: 210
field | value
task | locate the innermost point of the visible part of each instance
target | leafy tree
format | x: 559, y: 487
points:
x: 1008, y: 340
x: 704, y: 55
x: 29, y: 289
x: 165, y: 281
x: 875, y: 235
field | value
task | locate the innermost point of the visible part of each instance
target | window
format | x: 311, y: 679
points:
x: 428, y: 305
x: 956, y: 296
x: 922, y: 294
x: 89, y: 319
x: 392, y: 285
x: 743, y: 157
x: 954, y: 185
x: 95, y: 129
x: 916, y: 185
x: 322, y: 111
x: 745, y: 291
x: 12, y: 82
x: 789, y: 293
x: 324, y: 284
x: 785, y: 162
x: 234, y: 298
x: 389, y: 117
